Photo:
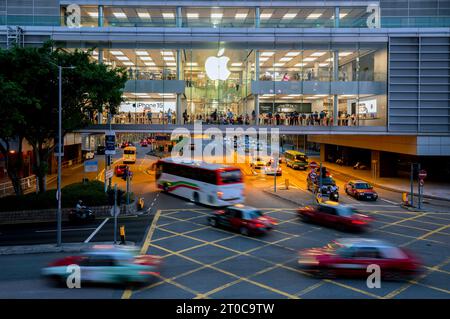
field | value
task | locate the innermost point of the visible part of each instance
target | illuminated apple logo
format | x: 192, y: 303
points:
x: 216, y: 68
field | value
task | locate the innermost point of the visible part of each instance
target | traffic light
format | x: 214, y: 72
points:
x: 324, y: 171
x: 125, y: 173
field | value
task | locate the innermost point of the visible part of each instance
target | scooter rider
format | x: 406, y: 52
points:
x: 80, y: 206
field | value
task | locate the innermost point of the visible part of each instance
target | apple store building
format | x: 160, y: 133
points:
x: 364, y: 63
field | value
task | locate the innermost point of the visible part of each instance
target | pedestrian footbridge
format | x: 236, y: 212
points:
x: 248, y: 129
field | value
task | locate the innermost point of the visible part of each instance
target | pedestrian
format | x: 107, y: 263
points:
x: 185, y: 117
x: 149, y: 116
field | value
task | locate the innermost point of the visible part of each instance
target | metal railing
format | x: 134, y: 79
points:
x: 27, y: 183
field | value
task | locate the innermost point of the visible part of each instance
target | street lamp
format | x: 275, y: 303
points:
x: 59, y: 217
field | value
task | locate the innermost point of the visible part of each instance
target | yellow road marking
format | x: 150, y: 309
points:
x: 229, y: 273
x: 434, y: 231
x: 310, y: 288
x: 412, y: 282
x: 127, y: 293
x: 402, y: 220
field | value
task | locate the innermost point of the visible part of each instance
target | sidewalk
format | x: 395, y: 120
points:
x: 51, y: 248
x: 432, y: 190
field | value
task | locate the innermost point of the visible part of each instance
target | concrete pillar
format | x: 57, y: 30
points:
x: 179, y: 76
x: 336, y: 79
x: 179, y: 110
x: 257, y: 109
x: 335, y: 110
x: 257, y: 17
x: 100, y: 16
x: 336, y: 17
x: 323, y: 154
x: 375, y: 164
x: 257, y: 72
x: 179, y: 17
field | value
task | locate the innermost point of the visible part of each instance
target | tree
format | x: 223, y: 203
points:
x: 10, y: 129
x: 86, y: 89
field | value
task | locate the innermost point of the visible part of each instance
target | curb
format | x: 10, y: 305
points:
x: 51, y: 248
x: 283, y: 198
x: 386, y: 187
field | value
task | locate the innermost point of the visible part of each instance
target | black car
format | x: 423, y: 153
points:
x: 81, y: 216
x: 101, y: 150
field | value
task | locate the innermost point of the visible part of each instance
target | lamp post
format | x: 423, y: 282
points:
x: 59, y: 213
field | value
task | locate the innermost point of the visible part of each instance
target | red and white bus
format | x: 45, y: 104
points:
x: 200, y: 182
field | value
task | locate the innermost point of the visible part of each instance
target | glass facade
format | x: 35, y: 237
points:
x: 333, y: 84
x: 252, y: 80
x: 250, y: 17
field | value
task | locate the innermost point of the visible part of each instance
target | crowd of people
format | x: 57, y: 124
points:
x: 322, y: 118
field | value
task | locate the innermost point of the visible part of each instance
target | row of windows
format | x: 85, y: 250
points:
x: 199, y: 174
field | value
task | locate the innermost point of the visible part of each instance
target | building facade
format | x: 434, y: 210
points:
x: 379, y: 68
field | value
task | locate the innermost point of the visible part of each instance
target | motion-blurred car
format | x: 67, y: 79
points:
x: 332, y: 214
x: 258, y: 162
x: 106, y: 264
x: 350, y: 257
x: 245, y: 219
x: 144, y: 143
x: 119, y: 169
x: 361, y: 190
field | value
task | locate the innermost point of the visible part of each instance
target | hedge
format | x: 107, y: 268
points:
x: 92, y: 193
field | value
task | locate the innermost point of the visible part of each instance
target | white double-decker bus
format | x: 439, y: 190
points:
x: 200, y: 182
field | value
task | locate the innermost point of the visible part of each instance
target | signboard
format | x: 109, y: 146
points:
x: 117, y: 211
x: 367, y: 107
x: 313, y: 165
x: 90, y: 166
x: 57, y: 146
x: 154, y: 107
x: 109, y: 173
x: 422, y: 174
x: 284, y: 107
x: 110, y: 143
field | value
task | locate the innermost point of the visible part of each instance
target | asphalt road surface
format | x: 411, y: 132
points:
x: 204, y: 262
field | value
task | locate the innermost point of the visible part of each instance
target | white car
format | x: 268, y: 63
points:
x: 270, y: 170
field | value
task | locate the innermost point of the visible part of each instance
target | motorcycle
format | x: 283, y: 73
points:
x: 331, y: 192
x: 82, y: 215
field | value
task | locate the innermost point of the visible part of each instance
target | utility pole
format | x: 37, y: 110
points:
x: 60, y: 154
x: 412, y: 185
x: 59, y: 217
x: 419, y: 204
x: 115, y: 214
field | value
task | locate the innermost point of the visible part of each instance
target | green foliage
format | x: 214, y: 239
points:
x: 91, y: 193
x: 29, y: 91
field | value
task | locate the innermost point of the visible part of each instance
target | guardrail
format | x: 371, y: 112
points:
x: 27, y: 184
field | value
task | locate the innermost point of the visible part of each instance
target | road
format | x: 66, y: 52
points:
x: 204, y: 262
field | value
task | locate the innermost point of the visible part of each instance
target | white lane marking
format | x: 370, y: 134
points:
x: 96, y: 230
x: 153, y: 203
x: 389, y: 201
x: 54, y: 230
